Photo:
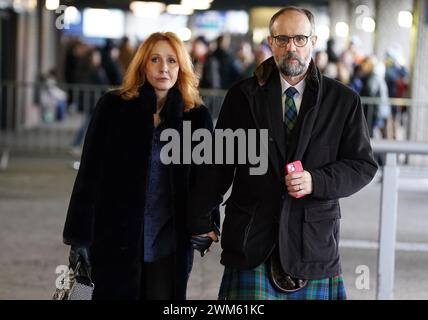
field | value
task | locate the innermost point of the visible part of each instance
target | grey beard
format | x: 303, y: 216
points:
x: 292, y: 70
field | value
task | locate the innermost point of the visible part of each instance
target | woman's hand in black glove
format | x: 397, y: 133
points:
x: 202, y: 242
x: 79, y: 253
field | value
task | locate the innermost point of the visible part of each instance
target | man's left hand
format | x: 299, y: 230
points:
x: 299, y: 184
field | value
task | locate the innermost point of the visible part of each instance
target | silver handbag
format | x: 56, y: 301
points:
x: 76, y: 285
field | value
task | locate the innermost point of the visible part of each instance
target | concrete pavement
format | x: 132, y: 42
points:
x: 34, y: 194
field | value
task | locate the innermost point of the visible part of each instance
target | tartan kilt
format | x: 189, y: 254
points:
x: 254, y: 284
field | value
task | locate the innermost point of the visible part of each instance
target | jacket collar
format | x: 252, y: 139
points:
x: 147, y: 97
x: 172, y: 111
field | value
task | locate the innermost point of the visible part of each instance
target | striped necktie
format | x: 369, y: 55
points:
x: 290, y: 112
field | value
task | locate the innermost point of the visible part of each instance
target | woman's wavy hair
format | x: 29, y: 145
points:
x: 187, y: 81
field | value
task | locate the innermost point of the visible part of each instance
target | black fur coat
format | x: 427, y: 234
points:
x: 107, y: 203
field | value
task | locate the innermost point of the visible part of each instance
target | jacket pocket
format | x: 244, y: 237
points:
x: 320, y: 232
x: 236, y: 226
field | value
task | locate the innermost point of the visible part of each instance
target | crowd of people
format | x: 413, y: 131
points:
x: 371, y: 77
x: 218, y: 65
x: 215, y: 63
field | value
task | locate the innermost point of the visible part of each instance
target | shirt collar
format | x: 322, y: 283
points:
x: 300, y: 87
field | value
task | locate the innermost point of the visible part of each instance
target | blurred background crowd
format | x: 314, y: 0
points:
x: 219, y: 65
x: 67, y: 53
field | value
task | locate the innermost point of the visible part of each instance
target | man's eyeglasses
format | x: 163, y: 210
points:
x: 299, y: 40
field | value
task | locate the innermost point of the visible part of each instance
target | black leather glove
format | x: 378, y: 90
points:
x: 203, y: 243
x: 79, y: 254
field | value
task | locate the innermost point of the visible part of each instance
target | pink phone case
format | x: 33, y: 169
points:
x: 292, y: 167
x: 295, y: 166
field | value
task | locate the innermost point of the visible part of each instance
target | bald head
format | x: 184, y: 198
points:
x: 292, y: 12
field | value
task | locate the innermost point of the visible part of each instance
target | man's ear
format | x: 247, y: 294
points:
x: 314, y: 41
x: 270, y: 42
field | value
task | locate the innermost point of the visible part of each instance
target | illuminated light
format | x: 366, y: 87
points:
x: 260, y: 34
x: 21, y: 5
x: 18, y: 5
x: 342, y: 29
x: 185, y: 34
x: 196, y: 4
x: 179, y: 9
x: 31, y: 4
x: 52, y: 4
x: 103, y: 23
x: 147, y: 9
x: 72, y: 16
x: 368, y: 24
x: 323, y: 32
x: 405, y: 19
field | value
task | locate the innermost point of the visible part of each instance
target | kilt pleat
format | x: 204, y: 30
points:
x: 254, y: 284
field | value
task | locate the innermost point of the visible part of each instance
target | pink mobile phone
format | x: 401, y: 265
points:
x: 292, y: 167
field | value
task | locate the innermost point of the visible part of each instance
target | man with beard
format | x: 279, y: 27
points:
x: 281, y: 231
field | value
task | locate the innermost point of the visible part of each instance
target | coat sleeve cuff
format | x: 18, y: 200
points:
x: 318, y: 183
x: 201, y: 227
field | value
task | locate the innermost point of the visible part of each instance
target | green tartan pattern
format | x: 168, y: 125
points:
x: 254, y: 284
x: 290, y: 114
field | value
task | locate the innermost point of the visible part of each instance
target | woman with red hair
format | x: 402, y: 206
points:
x: 126, y: 217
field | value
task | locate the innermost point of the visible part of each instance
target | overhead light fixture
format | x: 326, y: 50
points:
x: 145, y: 9
x: 185, y: 34
x: 323, y: 32
x: 197, y: 4
x: 52, y: 4
x: 368, y: 24
x: 405, y: 19
x: 18, y: 5
x: 22, y: 5
x: 342, y: 29
x: 179, y: 9
x: 260, y: 34
x: 31, y: 4
x: 72, y: 15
